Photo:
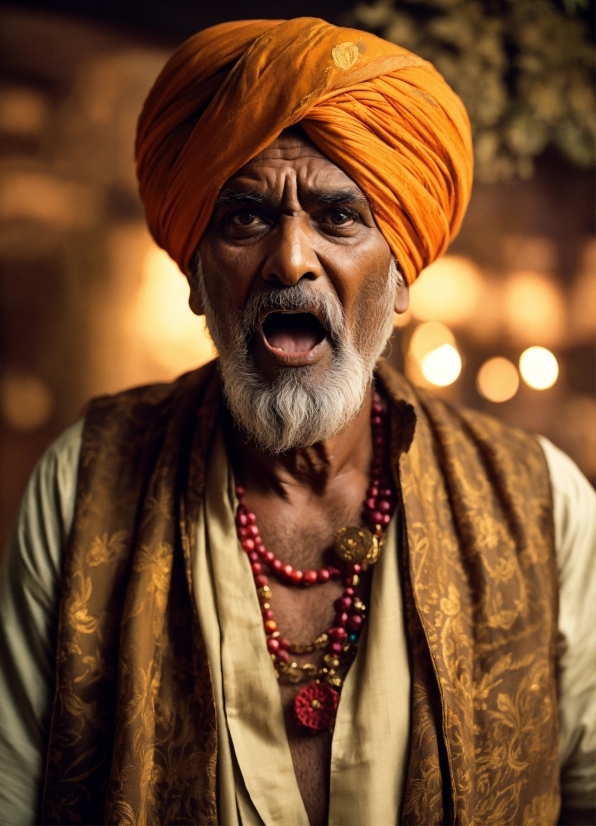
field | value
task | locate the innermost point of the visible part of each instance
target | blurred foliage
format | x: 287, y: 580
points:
x: 524, y: 69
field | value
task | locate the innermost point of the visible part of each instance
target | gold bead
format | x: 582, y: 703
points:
x: 315, y: 704
x: 294, y: 674
x: 331, y: 660
x: 355, y: 580
x: 375, y: 550
x: 264, y: 593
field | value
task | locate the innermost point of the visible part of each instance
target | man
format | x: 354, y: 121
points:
x: 278, y: 591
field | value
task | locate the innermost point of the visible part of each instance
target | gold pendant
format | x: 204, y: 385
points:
x: 356, y: 545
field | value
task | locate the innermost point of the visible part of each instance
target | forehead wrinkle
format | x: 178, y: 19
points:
x: 311, y: 196
x: 243, y: 197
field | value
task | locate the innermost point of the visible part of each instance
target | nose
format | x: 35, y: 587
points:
x: 292, y: 255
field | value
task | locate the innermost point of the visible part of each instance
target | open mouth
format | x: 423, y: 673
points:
x: 293, y: 333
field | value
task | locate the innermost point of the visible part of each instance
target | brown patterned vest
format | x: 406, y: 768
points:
x: 133, y: 737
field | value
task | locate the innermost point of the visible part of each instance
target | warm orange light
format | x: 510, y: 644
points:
x: 22, y: 111
x: 442, y: 366
x: 163, y: 319
x: 33, y: 195
x: 26, y: 401
x: 539, y: 367
x: 498, y: 380
x: 429, y: 336
x: 448, y: 290
x: 534, y: 308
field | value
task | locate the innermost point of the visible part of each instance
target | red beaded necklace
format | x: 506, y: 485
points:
x: 316, y: 704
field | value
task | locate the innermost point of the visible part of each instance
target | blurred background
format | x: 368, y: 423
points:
x: 505, y: 322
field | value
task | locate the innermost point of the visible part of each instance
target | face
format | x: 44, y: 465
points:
x: 299, y: 286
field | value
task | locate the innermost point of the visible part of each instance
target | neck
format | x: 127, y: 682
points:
x: 311, y: 469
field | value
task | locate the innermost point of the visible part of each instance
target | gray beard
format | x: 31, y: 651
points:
x: 296, y: 410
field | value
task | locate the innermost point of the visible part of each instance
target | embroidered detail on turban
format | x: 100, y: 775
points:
x: 383, y: 115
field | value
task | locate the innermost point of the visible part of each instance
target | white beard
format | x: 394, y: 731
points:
x: 297, y: 410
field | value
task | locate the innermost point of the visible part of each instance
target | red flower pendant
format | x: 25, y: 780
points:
x: 315, y: 706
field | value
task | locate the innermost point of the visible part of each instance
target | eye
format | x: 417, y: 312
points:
x: 340, y: 218
x: 244, y: 218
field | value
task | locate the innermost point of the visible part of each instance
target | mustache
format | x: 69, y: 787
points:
x: 299, y: 298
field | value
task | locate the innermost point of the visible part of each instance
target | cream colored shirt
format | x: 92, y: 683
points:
x: 256, y: 782
x: 370, y: 739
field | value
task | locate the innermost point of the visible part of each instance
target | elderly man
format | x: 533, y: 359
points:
x: 289, y: 588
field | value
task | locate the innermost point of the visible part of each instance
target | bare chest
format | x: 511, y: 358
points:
x: 302, y: 614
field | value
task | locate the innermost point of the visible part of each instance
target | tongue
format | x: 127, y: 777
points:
x: 292, y: 342
x: 297, y: 333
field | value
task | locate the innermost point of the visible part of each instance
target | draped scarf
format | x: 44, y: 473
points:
x: 133, y: 738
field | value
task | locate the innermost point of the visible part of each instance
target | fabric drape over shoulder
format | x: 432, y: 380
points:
x: 382, y: 114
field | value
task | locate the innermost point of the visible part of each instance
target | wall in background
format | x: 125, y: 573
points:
x: 89, y: 305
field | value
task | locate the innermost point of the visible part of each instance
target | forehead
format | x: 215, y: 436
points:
x: 292, y: 157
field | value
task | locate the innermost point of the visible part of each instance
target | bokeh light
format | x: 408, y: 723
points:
x: 498, y: 379
x: 534, y: 309
x: 26, y: 401
x: 448, y: 290
x: 539, y: 367
x: 90, y: 306
x: 34, y: 195
x: 442, y: 366
x: 427, y: 337
x: 23, y: 111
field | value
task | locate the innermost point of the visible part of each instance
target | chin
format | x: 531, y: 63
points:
x: 290, y: 408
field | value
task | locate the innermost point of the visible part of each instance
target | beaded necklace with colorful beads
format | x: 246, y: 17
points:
x: 356, y: 548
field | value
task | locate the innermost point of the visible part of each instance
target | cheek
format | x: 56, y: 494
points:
x: 371, y: 304
x: 227, y: 272
x: 362, y: 275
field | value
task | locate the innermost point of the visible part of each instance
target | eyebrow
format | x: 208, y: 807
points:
x: 235, y: 197
x: 318, y: 197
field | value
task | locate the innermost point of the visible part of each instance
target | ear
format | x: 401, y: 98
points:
x: 194, y: 299
x: 402, y: 298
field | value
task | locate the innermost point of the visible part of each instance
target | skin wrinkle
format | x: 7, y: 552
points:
x: 234, y: 197
x: 295, y: 409
x: 283, y: 417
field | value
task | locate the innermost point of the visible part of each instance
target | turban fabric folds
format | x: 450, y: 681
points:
x: 380, y: 113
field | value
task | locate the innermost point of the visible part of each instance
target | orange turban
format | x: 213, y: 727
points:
x: 382, y: 114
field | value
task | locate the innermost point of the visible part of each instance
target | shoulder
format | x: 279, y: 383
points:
x: 570, y: 486
x: 574, y: 507
x: 454, y: 429
x: 152, y: 398
x: 45, y: 516
x: 121, y: 428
